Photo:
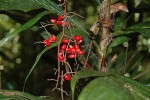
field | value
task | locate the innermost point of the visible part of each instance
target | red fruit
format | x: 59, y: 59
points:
x: 76, y: 46
x: 63, y: 47
x: 80, y: 52
x: 59, y: 22
x: 60, y: 53
x: 61, y: 58
x: 47, y: 43
x: 54, y: 21
x: 59, y: 18
x: 65, y: 40
x: 77, y: 50
x: 71, y: 50
x: 71, y: 56
x: 77, y: 38
x: 49, y: 39
x: 67, y: 77
x: 53, y: 38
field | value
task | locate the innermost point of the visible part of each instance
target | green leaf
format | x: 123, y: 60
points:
x: 119, y: 40
x: 84, y: 73
x: 142, y: 25
x: 16, y: 95
x: 105, y: 88
x: 136, y: 87
x: 142, y: 28
x: 49, y: 5
x: 78, y: 25
x: 23, y: 27
x: 22, y: 5
x: 114, y: 87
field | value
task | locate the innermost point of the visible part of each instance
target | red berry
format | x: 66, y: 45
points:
x: 59, y: 22
x: 61, y: 58
x: 67, y: 77
x: 80, y: 52
x: 49, y: 39
x: 65, y: 40
x: 63, y: 47
x: 53, y: 38
x: 71, y: 50
x: 77, y: 50
x: 54, y: 21
x: 47, y: 43
x: 60, y: 53
x: 71, y: 56
x: 77, y: 38
x: 59, y: 18
x: 76, y: 46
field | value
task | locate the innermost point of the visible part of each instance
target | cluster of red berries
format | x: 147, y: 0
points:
x: 50, y: 40
x: 71, y: 50
x: 59, y: 20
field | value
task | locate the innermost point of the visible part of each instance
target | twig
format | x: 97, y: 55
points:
x: 61, y: 83
x: 45, y: 30
x: 76, y: 14
x: 88, y: 54
x: 141, y: 74
x: 126, y: 60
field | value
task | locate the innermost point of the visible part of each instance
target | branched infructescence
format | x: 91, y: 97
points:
x: 69, y: 47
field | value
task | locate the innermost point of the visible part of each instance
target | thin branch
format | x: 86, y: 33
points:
x: 88, y: 54
x: 141, y: 74
x: 126, y: 60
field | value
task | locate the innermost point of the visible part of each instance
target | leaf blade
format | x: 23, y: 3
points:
x: 22, y: 5
x: 23, y: 27
x: 84, y: 73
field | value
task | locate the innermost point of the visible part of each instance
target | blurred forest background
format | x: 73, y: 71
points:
x: 18, y: 54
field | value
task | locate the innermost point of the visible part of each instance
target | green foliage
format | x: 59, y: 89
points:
x: 104, y: 88
x: 84, y: 73
x: 119, y: 40
x: 18, y: 95
x: 22, y: 5
x: 109, y: 86
x: 27, y: 25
